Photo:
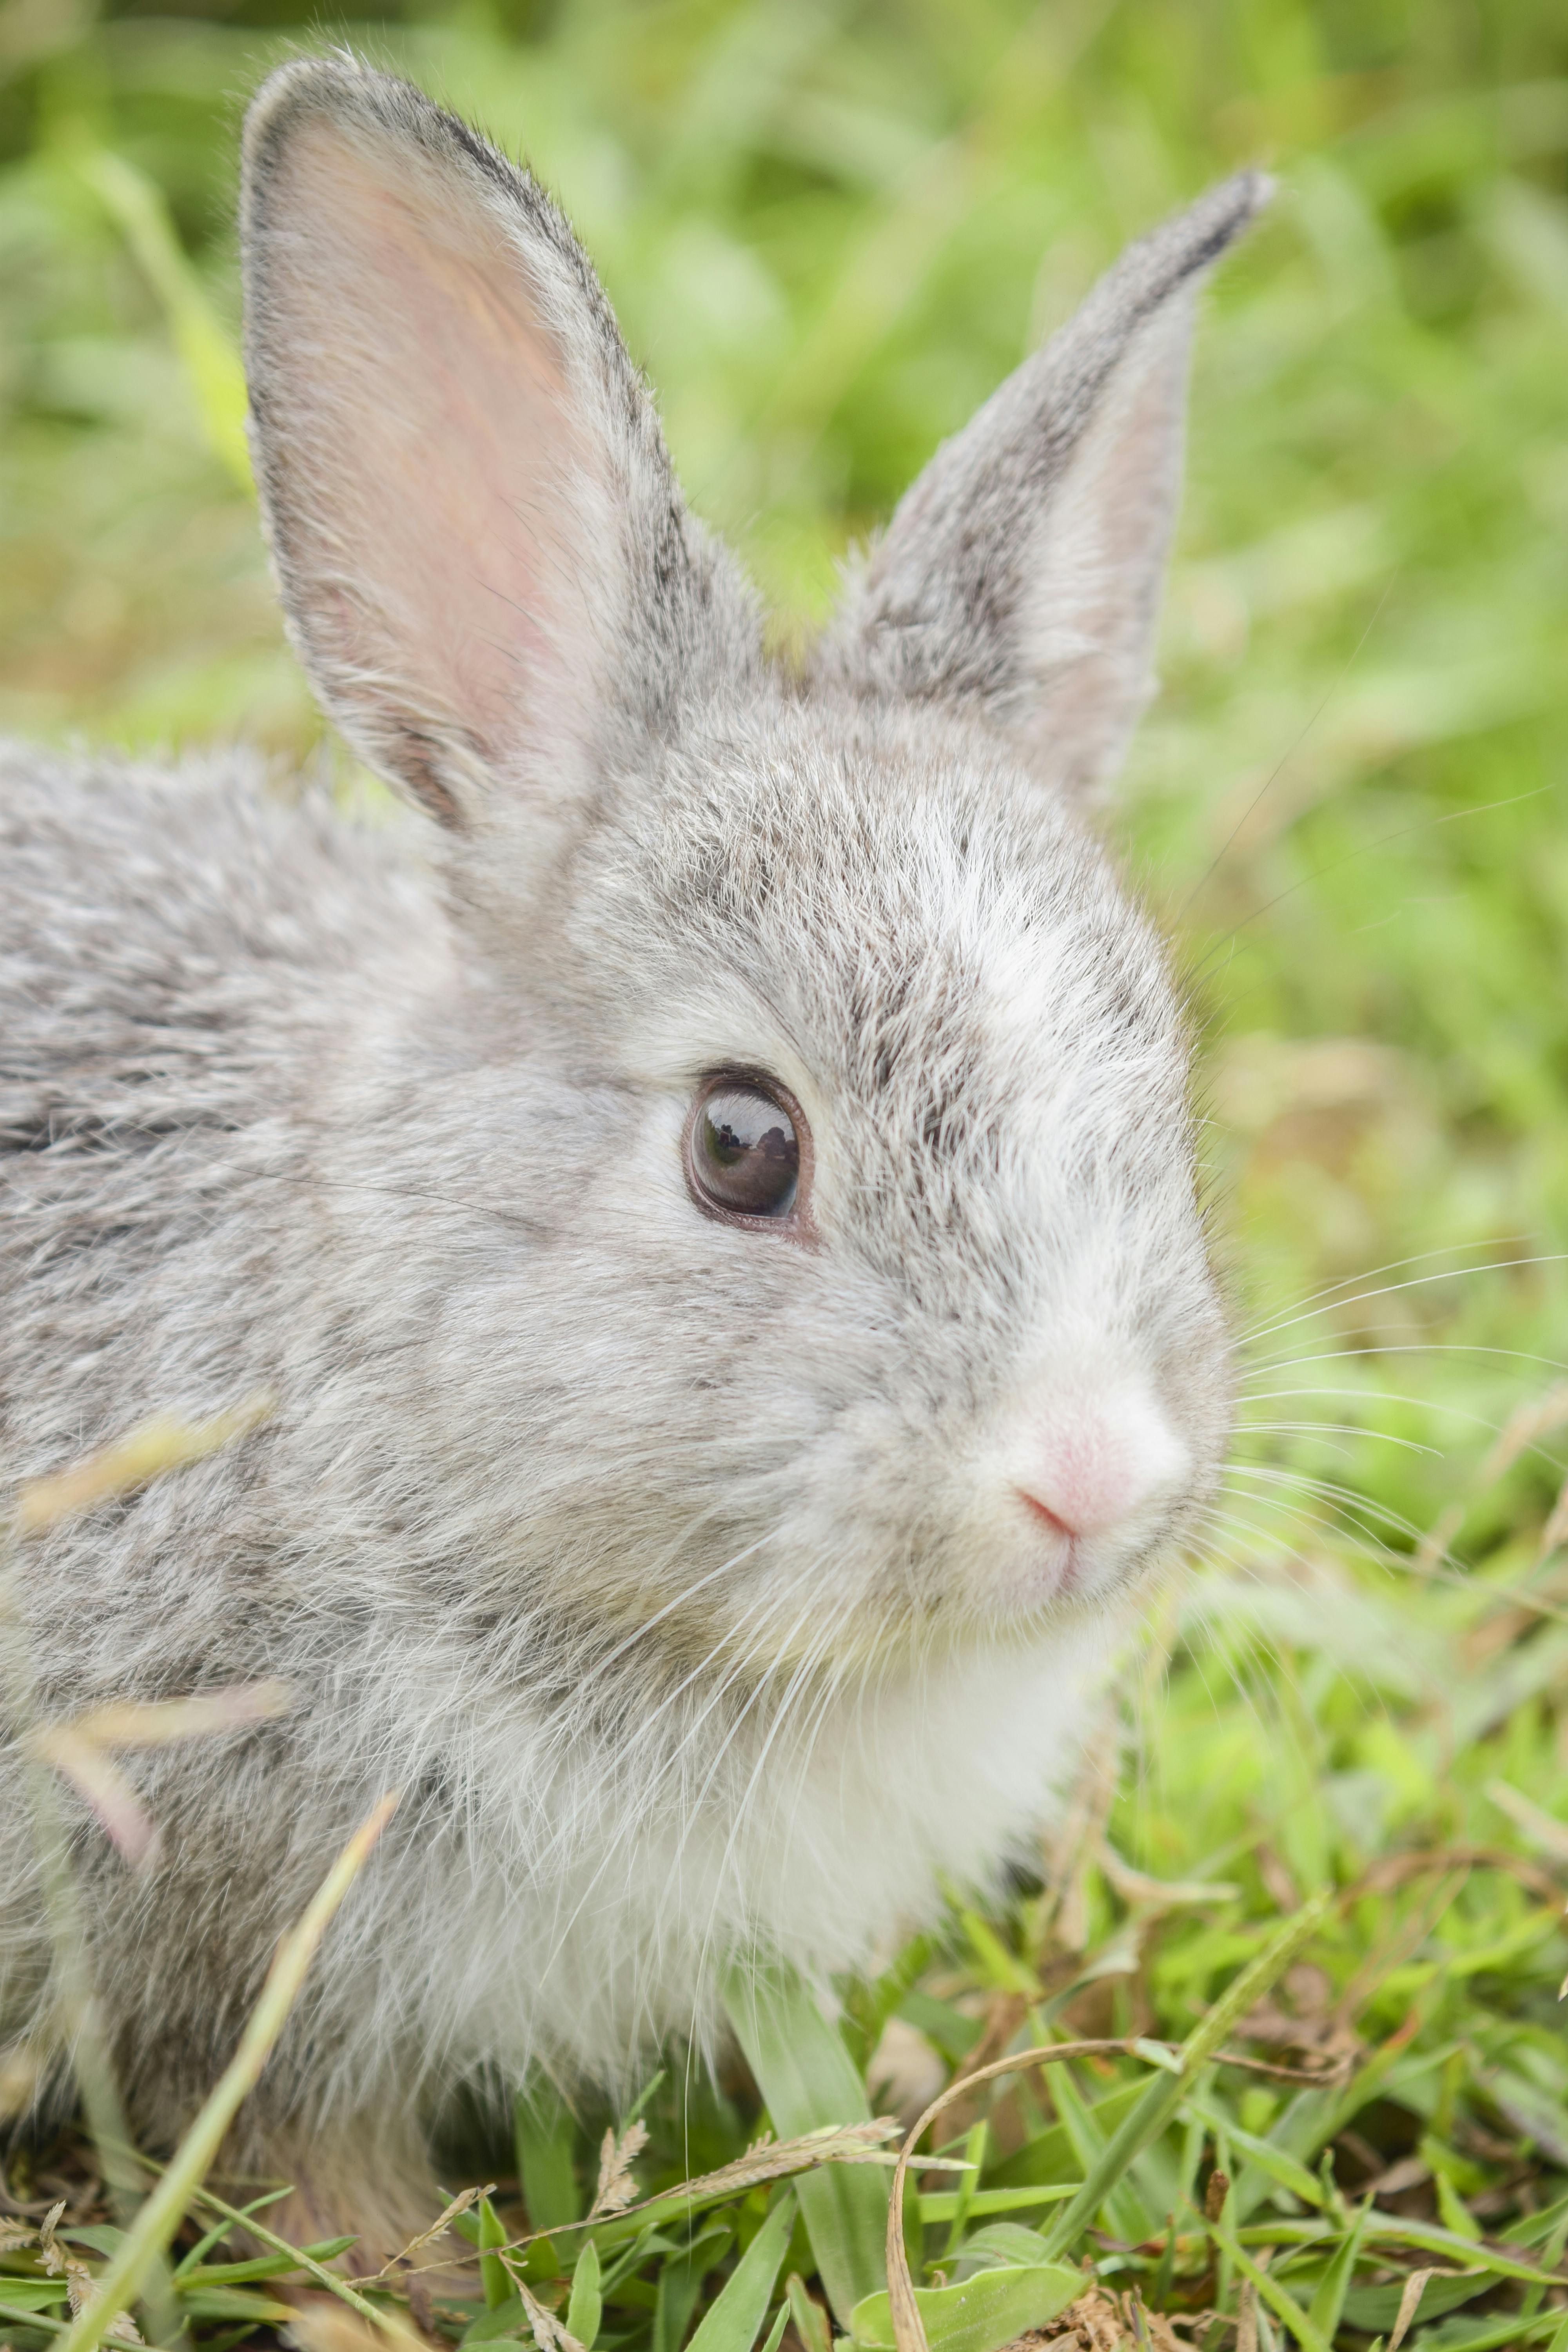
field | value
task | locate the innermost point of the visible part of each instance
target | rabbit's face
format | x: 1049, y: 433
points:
x: 907, y: 1269
x: 857, y: 1294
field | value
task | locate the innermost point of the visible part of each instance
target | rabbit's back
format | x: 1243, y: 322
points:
x: 181, y: 957
x: 174, y: 953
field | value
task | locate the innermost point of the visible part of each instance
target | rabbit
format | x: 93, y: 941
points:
x: 711, y: 1197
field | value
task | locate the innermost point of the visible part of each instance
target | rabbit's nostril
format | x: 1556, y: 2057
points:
x: 1050, y: 1517
x: 1083, y: 1464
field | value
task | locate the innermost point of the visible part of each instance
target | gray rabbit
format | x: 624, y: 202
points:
x: 715, y: 1205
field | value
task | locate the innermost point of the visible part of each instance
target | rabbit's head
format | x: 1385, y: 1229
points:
x: 863, y: 1293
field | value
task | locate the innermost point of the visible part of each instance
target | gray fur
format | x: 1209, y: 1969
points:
x: 671, y: 1570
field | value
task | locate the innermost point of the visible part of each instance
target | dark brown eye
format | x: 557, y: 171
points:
x: 742, y: 1154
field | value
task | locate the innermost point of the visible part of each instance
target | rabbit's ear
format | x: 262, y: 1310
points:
x: 485, y: 560
x: 1021, y: 573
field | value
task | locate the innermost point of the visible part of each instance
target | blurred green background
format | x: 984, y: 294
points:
x: 830, y: 226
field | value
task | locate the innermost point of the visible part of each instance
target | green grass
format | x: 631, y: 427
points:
x: 829, y: 230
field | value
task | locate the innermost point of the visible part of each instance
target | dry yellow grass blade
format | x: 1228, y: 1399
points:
x: 403, y: 2260
x: 78, y: 1750
x: 135, y: 1461
x: 1409, y: 2302
x: 160, y: 2216
x: 1547, y: 1834
x: 332, y: 2327
x: 128, y: 1723
x: 114, y: 1803
x: 1167, y: 1894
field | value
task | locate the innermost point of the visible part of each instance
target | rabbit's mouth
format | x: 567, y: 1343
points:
x: 1054, y: 1566
x: 1061, y: 1565
x: 1047, y: 1567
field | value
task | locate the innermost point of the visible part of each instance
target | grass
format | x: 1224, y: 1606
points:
x: 830, y: 230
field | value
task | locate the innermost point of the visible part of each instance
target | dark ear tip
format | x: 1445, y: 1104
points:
x: 289, y: 96
x: 374, y: 110
x: 1170, y: 258
x: 339, y: 87
x: 319, y: 85
x: 1243, y: 196
x: 1200, y: 234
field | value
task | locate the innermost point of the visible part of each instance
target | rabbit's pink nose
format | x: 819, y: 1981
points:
x: 1091, y: 1461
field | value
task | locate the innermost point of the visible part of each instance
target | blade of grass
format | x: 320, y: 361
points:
x: 23, y: 2317
x: 262, y: 2266
x: 1427, y: 2238
x: 993, y: 2309
x: 734, y: 2321
x: 807, y: 2079
x: 213, y: 370
x: 1124, y: 2209
x: 1272, y: 2159
x: 975, y: 2153
x: 941, y: 2204
x: 546, y: 2135
x: 1284, y: 2306
x: 492, y: 2270
x: 221, y: 2229
x: 160, y: 2216
x: 810, y: 2319
x: 312, y: 2266
x: 1424, y: 2237
x: 134, y: 1460
x: 1158, y: 2103
x: 1329, y: 2302
x: 586, y: 2307
x: 908, y: 2329
x: 679, y: 2289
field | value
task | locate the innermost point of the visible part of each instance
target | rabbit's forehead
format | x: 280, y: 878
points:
x: 932, y: 933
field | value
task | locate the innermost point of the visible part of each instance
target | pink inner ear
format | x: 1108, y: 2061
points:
x: 1090, y: 622
x: 438, y: 473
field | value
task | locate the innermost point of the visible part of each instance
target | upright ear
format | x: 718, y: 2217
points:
x: 485, y: 561
x: 1021, y: 573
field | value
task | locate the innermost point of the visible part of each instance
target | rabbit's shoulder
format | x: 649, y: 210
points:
x: 169, y: 938
x: 186, y: 957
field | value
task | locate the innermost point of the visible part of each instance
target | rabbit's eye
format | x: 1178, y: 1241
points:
x: 743, y: 1151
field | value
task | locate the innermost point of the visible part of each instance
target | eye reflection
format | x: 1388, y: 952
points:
x: 743, y: 1155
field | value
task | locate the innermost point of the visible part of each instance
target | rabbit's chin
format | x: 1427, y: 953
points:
x: 1050, y: 1572
x: 1021, y: 1600
x: 1052, y: 1575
